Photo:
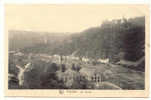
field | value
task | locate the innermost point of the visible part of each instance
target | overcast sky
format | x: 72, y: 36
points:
x: 65, y: 18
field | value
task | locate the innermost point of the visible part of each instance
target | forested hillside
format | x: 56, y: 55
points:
x: 111, y: 39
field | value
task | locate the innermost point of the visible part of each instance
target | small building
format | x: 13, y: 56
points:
x: 104, y: 61
x: 56, y: 59
x: 91, y: 74
x: 12, y: 52
x: 19, y: 54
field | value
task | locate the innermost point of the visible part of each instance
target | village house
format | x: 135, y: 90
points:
x: 104, y: 61
x: 91, y: 74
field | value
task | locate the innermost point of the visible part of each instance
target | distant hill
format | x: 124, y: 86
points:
x: 26, y: 40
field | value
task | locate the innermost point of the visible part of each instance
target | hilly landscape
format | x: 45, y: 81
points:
x: 112, y: 39
x: 109, y: 56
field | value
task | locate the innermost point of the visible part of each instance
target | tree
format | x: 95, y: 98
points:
x: 63, y: 67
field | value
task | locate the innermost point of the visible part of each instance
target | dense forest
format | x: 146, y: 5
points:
x: 114, y: 39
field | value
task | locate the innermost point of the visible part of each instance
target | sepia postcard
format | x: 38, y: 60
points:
x: 77, y: 50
